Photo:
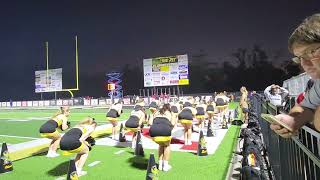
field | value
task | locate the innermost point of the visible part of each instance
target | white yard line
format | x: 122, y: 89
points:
x: 119, y: 152
x: 18, y: 120
x: 22, y: 137
x: 94, y: 163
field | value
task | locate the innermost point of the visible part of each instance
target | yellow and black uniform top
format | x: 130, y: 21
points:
x: 175, y: 108
x: 49, y: 128
x: 186, y: 115
x: 161, y: 128
x: 70, y: 142
x: 210, y: 108
x: 154, y: 104
x: 151, y: 117
x: 114, y: 112
x: 221, y: 100
x: 201, y: 110
x: 136, y: 117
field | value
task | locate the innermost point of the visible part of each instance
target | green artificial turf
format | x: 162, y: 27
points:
x: 126, y: 166
x: 12, y: 140
x: 185, y: 165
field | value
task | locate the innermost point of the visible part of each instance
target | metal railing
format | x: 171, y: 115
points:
x: 294, y: 158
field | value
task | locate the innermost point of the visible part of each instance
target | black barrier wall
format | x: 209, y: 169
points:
x: 296, y: 158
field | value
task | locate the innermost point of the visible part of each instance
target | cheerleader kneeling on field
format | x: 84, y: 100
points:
x: 153, y: 107
x: 210, y: 110
x: 221, y: 101
x: 137, y: 117
x: 113, y: 114
x: 175, y: 108
x: 185, y: 117
x: 78, y: 141
x: 50, y: 129
x: 201, y: 112
x: 160, y: 131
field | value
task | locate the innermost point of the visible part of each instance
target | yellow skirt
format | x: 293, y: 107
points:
x: 112, y: 119
x: 162, y: 140
x: 132, y: 129
x: 210, y: 112
x: 49, y: 135
x: 74, y: 151
x: 222, y: 107
x: 185, y: 121
x: 200, y: 116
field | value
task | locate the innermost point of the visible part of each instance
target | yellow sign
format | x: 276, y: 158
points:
x: 164, y: 68
x: 183, y: 81
x: 111, y: 87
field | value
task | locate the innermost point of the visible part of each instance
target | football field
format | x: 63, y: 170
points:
x: 105, y: 162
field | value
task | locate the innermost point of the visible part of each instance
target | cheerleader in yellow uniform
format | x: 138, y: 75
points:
x: 160, y: 131
x: 75, y: 141
x: 137, y: 117
x: 221, y: 101
x: 153, y: 107
x: 210, y: 110
x: 50, y: 129
x: 185, y: 117
x: 113, y: 114
x: 201, y: 112
x: 175, y: 108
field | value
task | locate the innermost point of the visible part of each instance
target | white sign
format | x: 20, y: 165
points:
x: 46, y: 103
x: 59, y: 102
x: 29, y: 103
x: 48, y: 81
x: 94, y: 102
x: 166, y: 71
x: 35, y: 103
x: 86, y: 102
x: 41, y: 103
x: 102, y: 102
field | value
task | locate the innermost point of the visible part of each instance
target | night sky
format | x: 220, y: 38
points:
x: 114, y: 33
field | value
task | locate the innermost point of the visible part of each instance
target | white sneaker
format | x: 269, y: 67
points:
x: 189, y: 142
x: 166, y: 168
x: 81, y: 173
x: 52, y: 155
x: 55, y: 155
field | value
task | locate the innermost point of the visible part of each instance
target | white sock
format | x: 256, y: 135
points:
x: 166, y: 166
x: 165, y: 163
x: 78, y: 170
x: 160, y: 164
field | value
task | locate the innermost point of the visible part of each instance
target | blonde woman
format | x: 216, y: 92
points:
x: 244, y: 103
x: 221, y: 101
x: 113, y: 114
x: 210, y: 110
x: 201, y: 111
x: 175, y: 108
x: 186, y: 117
x: 50, y: 129
x: 153, y: 107
x: 137, y: 117
x: 76, y: 141
x: 160, y: 131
